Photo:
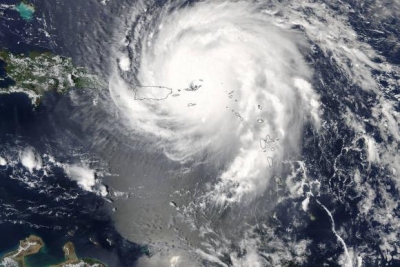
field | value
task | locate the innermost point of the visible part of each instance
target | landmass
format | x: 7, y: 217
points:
x: 28, y: 246
x: 33, y: 245
x: 72, y: 260
x: 39, y: 72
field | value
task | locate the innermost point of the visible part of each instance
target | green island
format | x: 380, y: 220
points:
x: 33, y: 244
x: 38, y: 72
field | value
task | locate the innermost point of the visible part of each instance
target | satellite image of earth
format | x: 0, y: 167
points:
x: 156, y: 133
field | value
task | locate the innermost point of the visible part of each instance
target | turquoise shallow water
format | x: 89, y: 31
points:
x: 25, y: 11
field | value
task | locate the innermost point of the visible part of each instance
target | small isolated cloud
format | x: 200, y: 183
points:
x: 30, y: 159
x: 3, y: 161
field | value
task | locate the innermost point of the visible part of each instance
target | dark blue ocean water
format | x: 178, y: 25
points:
x: 48, y: 214
x: 43, y: 210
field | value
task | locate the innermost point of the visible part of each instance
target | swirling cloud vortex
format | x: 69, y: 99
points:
x: 222, y: 78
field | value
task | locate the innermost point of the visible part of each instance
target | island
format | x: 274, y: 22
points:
x: 39, y: 72
x: 33, y: 244
x: 28, y: 246
x: 72, y: 260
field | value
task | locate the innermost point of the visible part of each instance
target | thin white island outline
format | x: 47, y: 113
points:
x: 156, y: 93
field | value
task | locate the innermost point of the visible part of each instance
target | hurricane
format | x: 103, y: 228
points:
x: 219, y: 78
x: 270, y: 118
x: 185, y: 133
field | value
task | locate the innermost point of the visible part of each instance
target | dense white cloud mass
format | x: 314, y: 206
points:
x: 86, y: 178
x: 3, y: 161
x: 30, y: 159
x: 221, y: 77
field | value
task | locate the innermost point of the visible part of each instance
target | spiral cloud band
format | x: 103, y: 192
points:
x: 222, y: 78
x: 259, y: 108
